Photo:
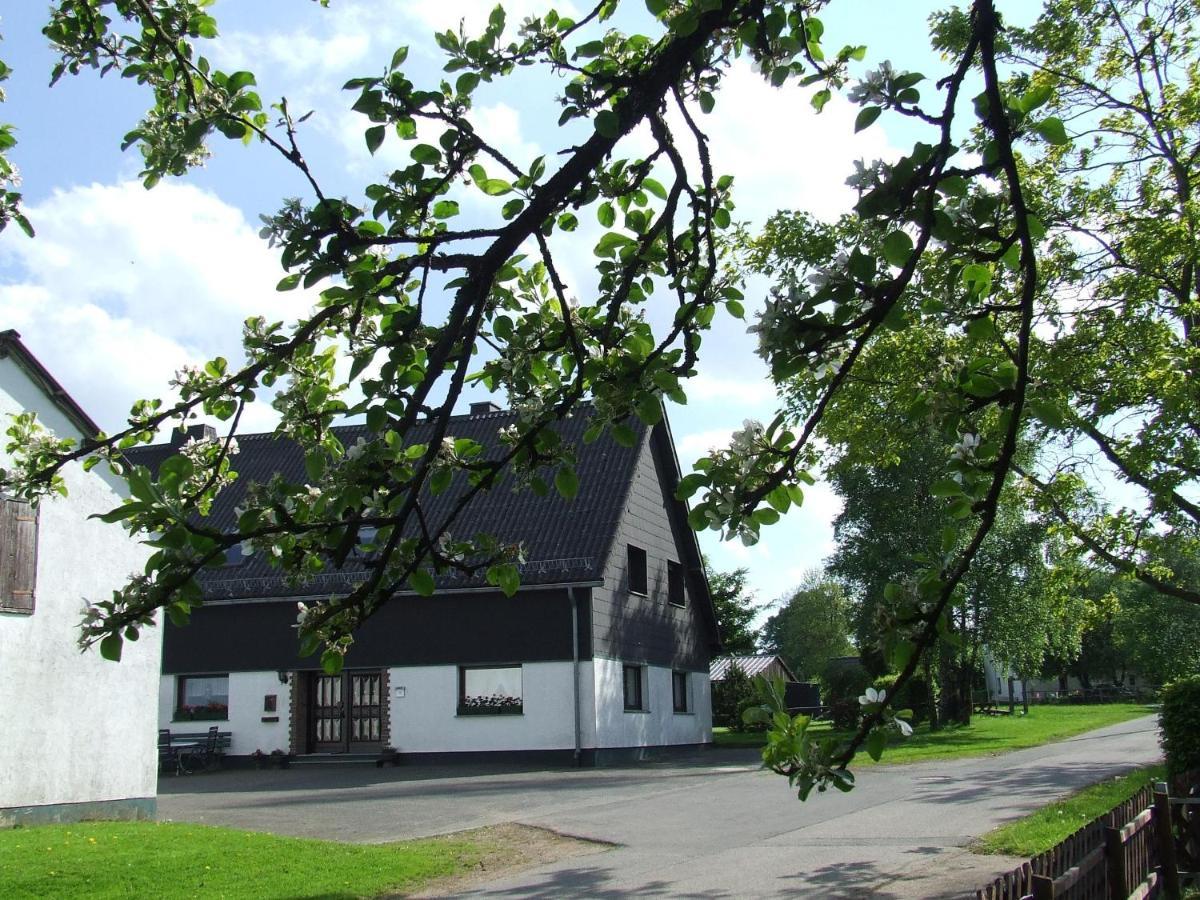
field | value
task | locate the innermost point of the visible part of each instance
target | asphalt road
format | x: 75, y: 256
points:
x: 711, y: 827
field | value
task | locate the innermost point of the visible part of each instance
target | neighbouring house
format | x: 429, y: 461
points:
x: 799, y: 695
x: 78, y: 730
x: 1004, y: 683
x: 766, y: 664
x: 603, y: 653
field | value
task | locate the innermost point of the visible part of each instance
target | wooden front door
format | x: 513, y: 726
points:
x: 346, y: 712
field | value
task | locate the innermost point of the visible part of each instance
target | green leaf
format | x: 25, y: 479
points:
x: 820, y: 98
x: 1048, y: 412
x: 977, y: 278
x: 495, y: 187
x: 982, y: 327
x: 426, y: 154
x: 314, y: 464
x: 567, y: 482
x: 960, y: 508
x: 624, y: 435
x: 506, y: 577
x: 897, y: 248
x: 332, y: 662
x: 1036, y: 96
x: 288, y: 283
x: 1052, y: 130
x: 945, y: 487
x: 655, y: 188
x: 876, y: 741
x: 421, y: 582
x: 374, y: 137
x: 608, y: 124
x: 706, y: 102
x: 689, y: 484
x: 110, y: 647
x: 866, y: 117
x: 606, y: 215
x: 467, y: 82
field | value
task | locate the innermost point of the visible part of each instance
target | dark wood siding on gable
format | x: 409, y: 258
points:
x: 445, y: 629
x: 650, y: 629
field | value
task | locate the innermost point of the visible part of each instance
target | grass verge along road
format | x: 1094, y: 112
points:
x: 985, y: 734
x: 1039, y: 831
x: 162, y: 859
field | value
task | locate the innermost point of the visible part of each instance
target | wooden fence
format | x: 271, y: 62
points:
x: 1123, y: 854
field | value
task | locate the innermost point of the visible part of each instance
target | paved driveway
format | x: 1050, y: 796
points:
x: 712, y: 827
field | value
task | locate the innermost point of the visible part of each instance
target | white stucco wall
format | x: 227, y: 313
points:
x: 425, y: 719
x: 76, y: 728
x: 658, y: 724
x: 245, y: 723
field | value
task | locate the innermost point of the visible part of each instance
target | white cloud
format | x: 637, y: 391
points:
x: 442, y: 14
x: 756, y: 391
x: 783, y: 153
x: 123, y: 286
x: 301, y: 52
x: 692, y: 446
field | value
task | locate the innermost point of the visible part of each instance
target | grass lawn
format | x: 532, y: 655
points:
x: 154, y: 859
x: 985, y: 734
x: 1051, y: 824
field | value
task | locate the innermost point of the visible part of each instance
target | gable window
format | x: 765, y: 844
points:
x: 636, y: 569
x: 18, y: 555
x: 675, y: 593
x: 635, y: 698
x: 679, y: 692
x: 489, y: 691
x: 202, y: 697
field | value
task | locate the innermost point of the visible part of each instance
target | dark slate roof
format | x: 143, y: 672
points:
x: 751, y: 665
x: 565, y: 541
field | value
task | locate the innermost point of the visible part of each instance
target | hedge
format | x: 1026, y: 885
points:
x: 1179, y: 722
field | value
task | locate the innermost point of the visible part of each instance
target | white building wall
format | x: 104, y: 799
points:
x: 76, y: 728
x: 658, y: 724
x: 246, y: 714
x: 424, y: 717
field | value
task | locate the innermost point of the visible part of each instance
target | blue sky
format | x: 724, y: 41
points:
x: 123, y: 286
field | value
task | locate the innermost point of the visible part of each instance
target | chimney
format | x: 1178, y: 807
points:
x: 483, y: 407
x: 180, y: 436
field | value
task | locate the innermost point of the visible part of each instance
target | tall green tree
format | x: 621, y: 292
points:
x: 811, y: 627
x: 735, y: 606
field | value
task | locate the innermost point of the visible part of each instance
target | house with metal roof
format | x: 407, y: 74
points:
x: 78, y: 729
x: 602, y: 654
x: 765, y: 664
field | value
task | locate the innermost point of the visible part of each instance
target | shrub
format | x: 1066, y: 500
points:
x: 1179, y: 723
x: 914, y: 695
x: 843, y: 683
x: 730, y: 697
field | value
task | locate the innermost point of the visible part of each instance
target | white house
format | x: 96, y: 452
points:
x: 78, y: 731
x: 602, y: 655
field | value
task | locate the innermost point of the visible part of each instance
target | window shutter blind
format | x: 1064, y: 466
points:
x: 18, y: 555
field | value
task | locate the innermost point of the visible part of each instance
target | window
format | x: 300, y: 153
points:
x: 365, y: 547
x: 234, y: 556
x: 675, y: 594
x: 636, y: 570
x: 18, y: 555
x: 202, y: 697
x: 679, y: 692
x: 489, y: 691
x: 634, y: 697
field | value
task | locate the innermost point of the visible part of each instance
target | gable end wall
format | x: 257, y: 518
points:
x: 648, y: 629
